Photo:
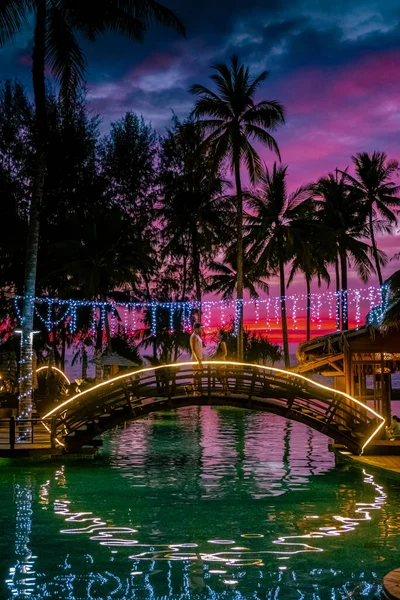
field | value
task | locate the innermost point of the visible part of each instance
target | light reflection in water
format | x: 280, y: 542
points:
x: 288, y: 545
x: 22, y: 577
x: 254, y: 482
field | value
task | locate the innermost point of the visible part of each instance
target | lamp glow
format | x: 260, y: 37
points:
x: 54, y: 369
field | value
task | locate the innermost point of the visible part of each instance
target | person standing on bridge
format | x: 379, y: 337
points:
x: 196, y: 347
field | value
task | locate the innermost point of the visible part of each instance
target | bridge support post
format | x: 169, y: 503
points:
x: 252, y: 385
x: 53, y: 432
x: 12, y: 433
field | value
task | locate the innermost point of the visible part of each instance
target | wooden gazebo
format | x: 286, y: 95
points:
x: 360, y: 361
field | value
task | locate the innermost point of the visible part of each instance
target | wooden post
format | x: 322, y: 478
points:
x: 348, y: 379
x: 209, y: 381
x: 12, y: 433
x: 252, y: 385
x: 53, y: 432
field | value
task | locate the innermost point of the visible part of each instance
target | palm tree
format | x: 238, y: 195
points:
x: 223, y: 280
x: 194, y: 214
x: 56, y: 48
x: 310, y: 256
x: 234, y: 120
x: 391, y: 315
x: 339, y: 210
x: 378, y: 193
x: 272, y: 216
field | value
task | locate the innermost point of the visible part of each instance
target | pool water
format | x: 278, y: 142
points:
x: 203, y: 503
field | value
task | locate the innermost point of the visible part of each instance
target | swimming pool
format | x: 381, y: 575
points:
x: 201, y: 503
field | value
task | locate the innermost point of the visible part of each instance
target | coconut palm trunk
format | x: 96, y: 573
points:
x: 374, y: 247
x: 38, y: 70
x: 239, y: 283
x: 344, y: 295
x: 308, y: 283
x: 84, y: 364
x: 196, y: 267
x: 98, y: 351
x: 283, y: 314
x: 337, y: 303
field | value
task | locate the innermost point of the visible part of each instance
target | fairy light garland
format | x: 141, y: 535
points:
x: 358, y: 308
x: 126, y: 313
x: 133, y: 326
x: 257, y: 310
x: 93, y: 323
x: 267, y: 314
x: 171, y: 316
x: 371, y: 297
x: 223, y: 316
x: 294, y: 313
x: 154, y: 319
x: 110, y: 310
x: 337, y: 310
x: 207, y: 314
x: 330, y: 308
x: 277, y: 304
x: 103, y: 316
x: 318, y: 312
x: 238, y: 314
x: 345, y: 305
x: 113, y: 318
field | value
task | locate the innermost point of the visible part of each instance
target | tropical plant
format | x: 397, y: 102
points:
x: 195, y: 216
x: 273, y: 217
x: 339, y: 208
x: 128, y: 164
x: 378, y: 193
x: 391, y: 315
x: 257, y: 347
x: 223, y: 279
x: 233, y: 121
x: 170, y: 338
x: 56, y: 49
x: 310, y: 253
x: 15, y: 163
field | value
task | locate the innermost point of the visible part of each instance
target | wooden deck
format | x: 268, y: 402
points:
x: 387, y: 464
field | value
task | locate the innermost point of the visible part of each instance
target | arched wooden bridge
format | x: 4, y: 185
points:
x: 82, y: 418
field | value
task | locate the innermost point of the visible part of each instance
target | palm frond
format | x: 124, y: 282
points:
x: 261, y: 135
x: 13, y: 15
x: 256, y: 83
x: 64, y: 55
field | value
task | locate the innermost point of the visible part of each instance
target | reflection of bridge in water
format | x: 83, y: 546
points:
x: 79, y: 420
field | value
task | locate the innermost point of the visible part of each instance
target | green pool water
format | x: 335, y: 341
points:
x: 204, y: 503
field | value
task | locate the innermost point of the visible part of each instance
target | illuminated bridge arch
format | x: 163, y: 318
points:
x: 45, y: 368
x: 85, y: 416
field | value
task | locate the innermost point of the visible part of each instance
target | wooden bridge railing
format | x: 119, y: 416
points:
x: 86, y: 415
x: 25, y: 433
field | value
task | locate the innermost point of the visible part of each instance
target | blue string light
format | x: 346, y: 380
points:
x: 171, y: 316
x: 48, y: 322
x: 238, y: 314
x: 374, y: 295
x: 154, y: 319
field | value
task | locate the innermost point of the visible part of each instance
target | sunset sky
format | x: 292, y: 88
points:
x: 335, y: 67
